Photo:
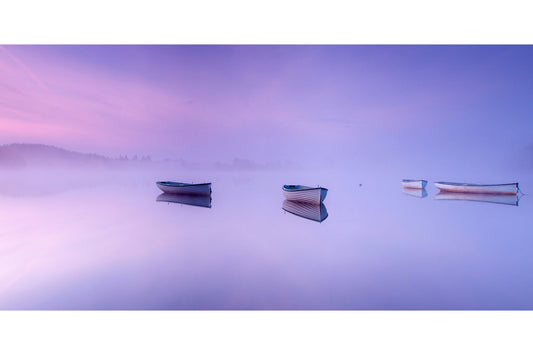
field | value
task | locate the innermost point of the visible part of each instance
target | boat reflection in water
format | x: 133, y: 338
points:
x: 193, y: 200
x: 511, y: 200
x: 310, y: 211
x: 420, y: 193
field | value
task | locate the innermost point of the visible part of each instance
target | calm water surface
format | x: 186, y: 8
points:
x: 104, y: 241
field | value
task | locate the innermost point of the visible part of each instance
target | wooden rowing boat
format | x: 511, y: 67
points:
x: 305, y: 193
x: 171, y: 187
x: 310, y: 211
x: 414, y: 184
x: 505, y: 189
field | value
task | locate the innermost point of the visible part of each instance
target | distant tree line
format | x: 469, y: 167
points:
x: 135, y: 158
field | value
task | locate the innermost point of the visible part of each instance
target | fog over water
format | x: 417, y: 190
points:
x: 94, y: 239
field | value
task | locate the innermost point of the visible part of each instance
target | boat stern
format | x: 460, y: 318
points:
x: 323, y: 193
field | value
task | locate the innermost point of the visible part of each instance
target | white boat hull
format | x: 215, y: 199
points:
x: 414, y: 184
x: 186, y: 189
x: 306, y: 194
x: 310, y: 211
x: 506, y: 189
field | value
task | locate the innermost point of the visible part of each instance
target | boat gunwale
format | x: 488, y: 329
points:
x: 181, y: 184
x: 306, y: 188
x: 413, y: 180
x: 467, y: 184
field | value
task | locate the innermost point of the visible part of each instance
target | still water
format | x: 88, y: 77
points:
x: 77, y: 240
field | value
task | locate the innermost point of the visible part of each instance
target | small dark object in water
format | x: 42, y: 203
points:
x: 360, y: 185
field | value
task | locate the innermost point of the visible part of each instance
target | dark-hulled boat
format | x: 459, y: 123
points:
x: 171, y: 187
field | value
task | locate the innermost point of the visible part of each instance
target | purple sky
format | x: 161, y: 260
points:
x: 268, y: 103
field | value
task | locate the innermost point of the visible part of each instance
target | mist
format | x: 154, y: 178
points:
x: 86, y: 131
x: 413, y: 108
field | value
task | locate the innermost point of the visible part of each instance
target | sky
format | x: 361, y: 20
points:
x: 344, y: 105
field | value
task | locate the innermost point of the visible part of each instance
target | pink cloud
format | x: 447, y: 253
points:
x: 81, y: 104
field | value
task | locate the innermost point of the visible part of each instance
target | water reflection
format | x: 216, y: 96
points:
x: 511, y: 200
x: 420, y: 193
x: 310, y: 211
x: 58, y: 253
x: 193, y: 200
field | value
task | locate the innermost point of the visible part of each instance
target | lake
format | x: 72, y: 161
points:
x: 79, y: 240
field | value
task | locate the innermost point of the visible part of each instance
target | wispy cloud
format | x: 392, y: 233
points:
x: 24, y: 68
x: 84, y: 105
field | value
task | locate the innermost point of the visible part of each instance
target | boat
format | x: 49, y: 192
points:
x: 171, y: 187
x: 310, y: 211
x: 420, y: 193
x: 305, y: 193
x: 502, y: 199
x: 192, y: 200
x: 414, y: 184
x: 505, y: 189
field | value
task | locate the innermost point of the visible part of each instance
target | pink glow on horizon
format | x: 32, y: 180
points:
x: 62, y: 106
